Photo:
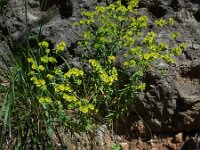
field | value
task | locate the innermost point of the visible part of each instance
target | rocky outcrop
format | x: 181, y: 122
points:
x: 171, y: 102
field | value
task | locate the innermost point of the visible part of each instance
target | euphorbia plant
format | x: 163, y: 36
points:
x: 116, y: 50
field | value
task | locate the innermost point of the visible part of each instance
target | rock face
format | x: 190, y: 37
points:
x: 171, y: 102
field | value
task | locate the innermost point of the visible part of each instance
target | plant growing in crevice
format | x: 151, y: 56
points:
x: 117, y: 31
x: 116, y: 50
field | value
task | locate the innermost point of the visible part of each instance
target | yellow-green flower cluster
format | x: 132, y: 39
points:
x: 167, y: 57
x: 34, y: 65
x: 69, y: 98
x: 74, y: 71
x: 102, y: 73
x: 101, y: 9
x: 141, y: 86
x: 90, y: 18
x: 50, y: 76
x: 130, y: 63
x: 114, y: 74
x: 162, y: 46
x: 94, y: 63
x: 170, y: 21
x: 58, y: 82
x: 46, y: 59
x: 135, y: 51
x: 111, y: 7
x: 63, y: 88
x: 38, y: 82
x: 178, y: 50
x: 31, y: 73
x: 44, y: 44
x: 85, y: 106
x: 85, y: 109
x: 76, y: 24
x: 152, y: 55
x: 103, y: 40
x: 31, y: 60
x: 111, y: 59
x: 142, y: 21
x: 44, y: 100
x: 139, y: 23
x: 160, y: 23
x: 122, y: 9
x: 106, y: 78
x: 128, y: 39
x: 89, y: 14
x: 74, y: 102
x: 87, y: 35
x: 175, y: 35
x: 149, y: 38
x: 57, y: 71
x: 132, y: 4
x: 61, y: 46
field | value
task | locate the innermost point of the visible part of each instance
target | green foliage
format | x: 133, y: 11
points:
x: 56, y: 90
x: 116, y: 146
x: 119, y: 30
x: 44, y: 97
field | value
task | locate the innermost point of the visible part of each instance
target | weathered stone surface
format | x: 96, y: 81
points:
x: 178, y: 138
x: 171, y: 102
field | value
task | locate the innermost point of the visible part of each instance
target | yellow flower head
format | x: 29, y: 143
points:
x: 111, y: 7
x: 141, y: 86
x: 154, y: 55
x: 68, y: 74
x: 175, y: 35
x: 68, y: 89
x: 75, y: 24
x: 147, y: 56
x: 52, y: 60
x: 170, y: 20
x: 44, y: 59
x: 50, y: 76
x: 69, y: 98
x: 33, y: 78
x: 61, y: 87
x: 126, y: 63
x: 81, y: 73
x: 39, y: 82
x: 107, y: 79
x: 42, y: 100
x: 57, y: 71
x: 41, y: 67
x: 31, y: 73
x: 74, y: 71
x: 94, y: 63
x: 44, y: 44
x: 91, y: 107
x: 83, y: 109
x: 31, y: 60
x: 48, y: 100
x: 114, y: 74
x: 132, y: 63
x: 101, y: 9
x: 61, y: 46
x: 111, y: 59
x: 34, y: 66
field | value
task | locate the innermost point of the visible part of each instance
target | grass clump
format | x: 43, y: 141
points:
x: 47, y: 102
